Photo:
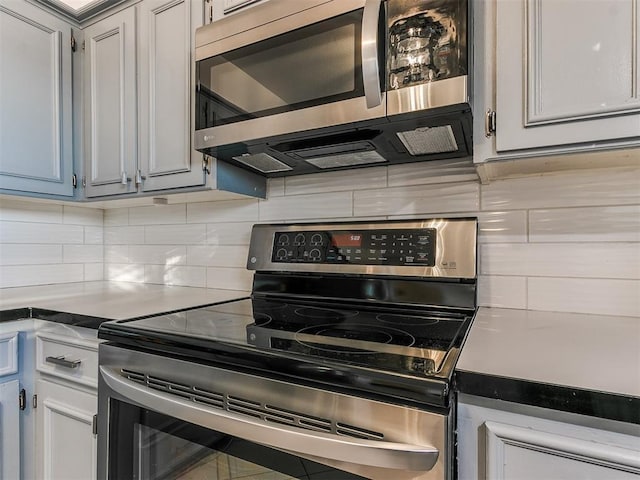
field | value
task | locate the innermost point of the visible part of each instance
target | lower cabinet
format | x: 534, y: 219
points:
x: 9, y: 408
x: 66, y: 445
x: 66, y: 403
x: 502, y: 441
x: 9, y: 429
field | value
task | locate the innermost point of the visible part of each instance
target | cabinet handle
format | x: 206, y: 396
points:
x: 63, y: 362
x: 124, y: 179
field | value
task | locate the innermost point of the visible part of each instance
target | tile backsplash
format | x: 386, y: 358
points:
x: 567, y: 242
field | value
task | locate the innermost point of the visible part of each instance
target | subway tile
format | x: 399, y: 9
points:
x: 26, y: 254
x: 158, y: 254
x: 21, y: 211
x: 585, y: 295
x: 175, y: 234
x: 158, y: 214
x: 83, y: 253
x: 507, y: 226
x: 275, y: 187
x: 39, y: 233
x: 123, y: 235
x: 175, y: 275
x: 93, y: 272
x: 116, y: 217
x: 218, y: 256
x: 585, y: 260
x: 433, y: 199
x: 229, y: 278
x: 93, y: 235
x: 116, y: 254
x: 358, y: 179
x: 82, y: 216
x: 223, y: 211
x: 315, y: 206
x: 439, y: 171
x: 502, y: 291
x: 24, y: 275
x: 598, y: 187
x: 586, y: 224
x: 236, y: 233
x: 119, y: 272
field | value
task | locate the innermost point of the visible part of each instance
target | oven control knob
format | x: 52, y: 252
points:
x: 316, y: 239
x: 315, y: 255
x: 299, y: 240
x: 281, y: 254
x: 283, y: 240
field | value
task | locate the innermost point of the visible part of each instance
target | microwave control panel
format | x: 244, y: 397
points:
x: 390, y: 247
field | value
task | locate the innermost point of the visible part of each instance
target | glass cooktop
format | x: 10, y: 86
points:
x: 412, y: 341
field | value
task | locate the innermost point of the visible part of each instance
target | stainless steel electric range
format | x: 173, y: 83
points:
x: 339, y: 365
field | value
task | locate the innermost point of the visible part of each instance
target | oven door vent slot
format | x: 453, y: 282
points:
x: 243, y: 406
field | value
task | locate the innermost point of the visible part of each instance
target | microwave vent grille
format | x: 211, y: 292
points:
x: 346, y: 160
x: 263, y: 163
x: 429, y: 140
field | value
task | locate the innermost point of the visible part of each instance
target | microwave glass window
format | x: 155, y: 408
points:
x: 426, y: 45
x: 284, y: 73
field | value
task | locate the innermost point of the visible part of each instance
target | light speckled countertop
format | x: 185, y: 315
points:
x: 592, y: 352
x: 113, y: 300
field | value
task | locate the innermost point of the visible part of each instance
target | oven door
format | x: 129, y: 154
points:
x: 161, y: 418
x: 147, y: 445
x: 264, y: 72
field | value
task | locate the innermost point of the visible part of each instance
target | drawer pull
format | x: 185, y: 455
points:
x: 63, y: 362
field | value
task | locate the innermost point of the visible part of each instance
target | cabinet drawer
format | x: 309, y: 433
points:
x: 8, y: 353
x: 74, y: 359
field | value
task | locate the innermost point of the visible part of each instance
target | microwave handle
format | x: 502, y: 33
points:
x: 373, y: 453
x: 370, y: 66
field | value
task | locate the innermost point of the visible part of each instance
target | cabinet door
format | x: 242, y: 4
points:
x: 567, y: 72
x: 66, y: 445
x: 110, y: 105
x: 9, y: 430
x: 167, y: 159
x: 35, y: 101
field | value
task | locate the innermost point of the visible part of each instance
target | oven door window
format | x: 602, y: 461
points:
x: 313, y: 65
x: 147, y: 445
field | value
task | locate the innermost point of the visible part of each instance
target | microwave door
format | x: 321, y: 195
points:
x: 323, y: 74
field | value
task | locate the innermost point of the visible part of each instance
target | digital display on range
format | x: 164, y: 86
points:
x: 366, y: 247
x: 346, y: 239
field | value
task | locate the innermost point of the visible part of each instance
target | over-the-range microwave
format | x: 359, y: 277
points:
x: 299, y: 86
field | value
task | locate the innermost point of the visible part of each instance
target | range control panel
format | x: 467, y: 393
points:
x: 357, y: 247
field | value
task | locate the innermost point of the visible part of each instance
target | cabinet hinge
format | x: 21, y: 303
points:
x: 490, y: 123
x: 22, y: 399
x: 94, y: 424
x: 206, y: 164
x: 34, y: 401
x: 83, y: 45
x: 74, y: 44
x: 74, y: 180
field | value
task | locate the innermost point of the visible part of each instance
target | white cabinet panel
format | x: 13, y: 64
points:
x: 35, y: 101
x: 110, y: 105
x: 567, y: 72
x: 166, y: 73
x: 8, y: 353
x: 9, y: 430
x: 66, y: 444
x: 505, y: 441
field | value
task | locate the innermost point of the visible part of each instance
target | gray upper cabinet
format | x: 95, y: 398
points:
x: 167, y: 159
x: 110, y: 108
x: 36, y: 151
x: 567, y: 75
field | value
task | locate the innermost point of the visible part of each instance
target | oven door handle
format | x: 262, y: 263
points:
x: 373, y: 453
